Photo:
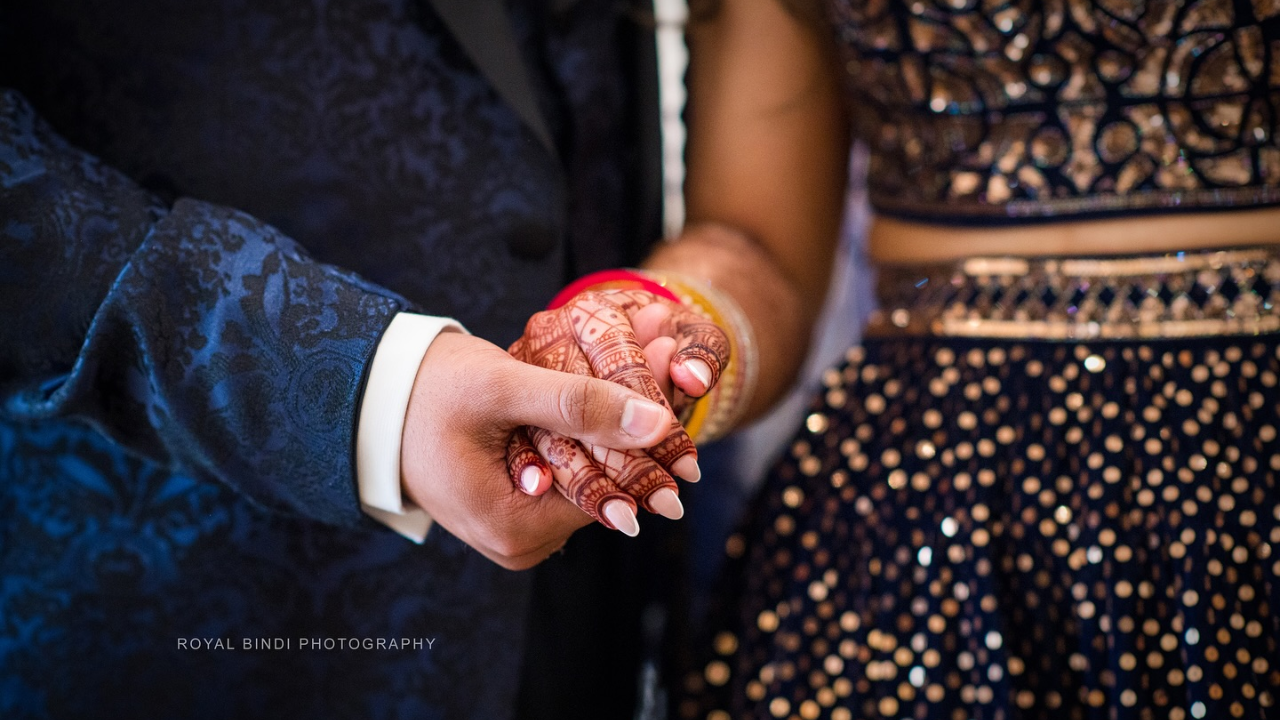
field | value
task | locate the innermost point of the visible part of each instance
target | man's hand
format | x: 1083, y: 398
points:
x: 468, y: 398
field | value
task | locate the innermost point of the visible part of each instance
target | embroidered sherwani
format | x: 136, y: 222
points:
x: 209, y: 212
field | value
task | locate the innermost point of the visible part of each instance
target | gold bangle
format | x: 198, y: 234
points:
x: 715, y: 413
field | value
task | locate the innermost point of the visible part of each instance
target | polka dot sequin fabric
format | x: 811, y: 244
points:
x: 1010, y: 529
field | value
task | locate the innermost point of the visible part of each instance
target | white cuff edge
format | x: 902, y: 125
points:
x: 382, y: 415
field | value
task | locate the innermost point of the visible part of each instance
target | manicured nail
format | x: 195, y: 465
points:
x: 700, y: 370
x: 531, y: 478
x: 620, y: 514
x: 687, y: 468
x: 641, y: 418
x: 666, y: 503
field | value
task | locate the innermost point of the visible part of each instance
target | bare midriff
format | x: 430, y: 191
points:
x: 894, y: 241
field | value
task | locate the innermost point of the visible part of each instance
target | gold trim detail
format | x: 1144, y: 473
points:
x: 1175, y: 295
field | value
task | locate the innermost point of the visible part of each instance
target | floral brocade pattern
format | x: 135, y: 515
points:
x: 208, y: 214
x: 983, y: 111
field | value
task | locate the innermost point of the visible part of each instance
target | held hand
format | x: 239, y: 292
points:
x: 592, y: 335
x: 686, y: 351
x: 601, y: 334
x: 468, y: 399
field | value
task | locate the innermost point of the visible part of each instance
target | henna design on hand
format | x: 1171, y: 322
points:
x: 592, y: 335
x: 577, y: 477
x: 634, y: 472
x: 696, y: 336
x: 548, y: 342
x: 561, y: 452
x: 603, y: 332
x: 522, y: 455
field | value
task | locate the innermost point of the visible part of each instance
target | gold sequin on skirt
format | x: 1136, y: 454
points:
x: 977, y: 527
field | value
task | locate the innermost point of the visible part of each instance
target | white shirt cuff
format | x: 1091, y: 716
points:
x: 381, y: 426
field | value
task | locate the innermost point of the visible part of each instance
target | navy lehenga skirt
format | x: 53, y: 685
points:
x: 1041, y: 489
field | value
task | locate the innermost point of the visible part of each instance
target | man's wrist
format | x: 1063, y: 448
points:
x: 382, y: 416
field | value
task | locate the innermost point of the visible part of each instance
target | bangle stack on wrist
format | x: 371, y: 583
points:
x: 716, y: 413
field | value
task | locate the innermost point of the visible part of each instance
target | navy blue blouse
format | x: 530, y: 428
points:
x: 1002, y: 113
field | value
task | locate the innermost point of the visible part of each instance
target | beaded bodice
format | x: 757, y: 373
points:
x: 997, y: 111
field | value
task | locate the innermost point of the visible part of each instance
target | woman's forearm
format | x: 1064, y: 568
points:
x: 767, y: 165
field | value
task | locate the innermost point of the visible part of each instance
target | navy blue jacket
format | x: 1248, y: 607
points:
x: 209, y: 212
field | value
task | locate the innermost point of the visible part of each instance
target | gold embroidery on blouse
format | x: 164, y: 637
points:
x: 1064, y: 107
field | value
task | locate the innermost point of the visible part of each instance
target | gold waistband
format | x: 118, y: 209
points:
x: 1173, y: 295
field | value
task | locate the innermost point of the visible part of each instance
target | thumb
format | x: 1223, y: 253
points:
x: 589, y: 409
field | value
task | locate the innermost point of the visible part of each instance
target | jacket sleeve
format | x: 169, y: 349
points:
x: 193, y: 335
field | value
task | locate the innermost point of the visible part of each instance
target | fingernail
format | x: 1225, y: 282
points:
x: 530, y: 478
x: 700, y: 370
x: 641, y: 418
x: 687, y: 468
x: 621, y: 516
x: 666, y: 503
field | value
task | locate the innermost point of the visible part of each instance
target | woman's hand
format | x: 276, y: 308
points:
x: 685, y: 351
x: 650, y: 345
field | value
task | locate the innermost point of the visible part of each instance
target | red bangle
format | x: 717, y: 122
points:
x: 610, y: 280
